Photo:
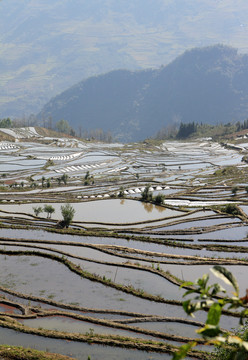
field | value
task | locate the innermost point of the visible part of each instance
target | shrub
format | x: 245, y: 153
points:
x: 67, y: 212
x: 121, y: 192
x: 49, y: 209
x: 37, y: 210
x: 64, y: 178
x: 231, y: 209
x: 234, y: 190
x: 212, y: 299
x: 159, y: 199
x: 146, y: 195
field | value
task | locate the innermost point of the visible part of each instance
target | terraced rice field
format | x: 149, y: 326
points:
x: 109, y: 286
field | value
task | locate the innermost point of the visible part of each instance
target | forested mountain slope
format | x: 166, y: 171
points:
x: 208, y: 85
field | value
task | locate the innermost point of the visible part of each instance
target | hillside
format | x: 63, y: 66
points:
x: 47, y: 46
x: 208, y: 85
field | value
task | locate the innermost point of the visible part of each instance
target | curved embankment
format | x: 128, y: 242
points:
x: 129, y: 289
x: 126, y: 253
x: 111, y: 340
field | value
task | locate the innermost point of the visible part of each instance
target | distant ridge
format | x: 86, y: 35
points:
x: 208, y: 85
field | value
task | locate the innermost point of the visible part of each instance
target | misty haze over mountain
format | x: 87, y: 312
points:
x: 208, y: 85
x: 48, y: 46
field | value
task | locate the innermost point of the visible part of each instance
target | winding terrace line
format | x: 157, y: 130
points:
x: 107, y: 282
x: 113, y: 324
x: 195, y: 260
x: 111, y: 340
x: 174, y: 243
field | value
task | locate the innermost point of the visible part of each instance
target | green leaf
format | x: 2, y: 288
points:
x: 209, y: 331
x: 189, y: 292
x: 188, y: 307
x: 202, y: 282
x: 183, y: 351
x: 243, y: 315
x: 226, y: 276
x: 187, y: 283
x: 216, y: 288
x: 214, y: 314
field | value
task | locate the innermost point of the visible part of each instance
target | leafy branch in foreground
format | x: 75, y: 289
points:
x: 212, y: 298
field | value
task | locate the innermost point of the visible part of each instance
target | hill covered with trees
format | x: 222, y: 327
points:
x: 204, y: 85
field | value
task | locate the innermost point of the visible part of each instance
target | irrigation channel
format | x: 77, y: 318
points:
x: 109, y: 285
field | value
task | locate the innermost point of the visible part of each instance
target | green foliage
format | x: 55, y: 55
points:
x: 67, y: 212
x: 64, y: 178
x: 48, y: 163
x: 9, y: 352
x: 227, y: 353
x: 37, y: 210
x: 159, y: 199
x: 185, y: 130
x: 200, y: 130
x: 88, y: 179
x: 121, y: 192
x: 231, y: 209
x: 43, y: 179
x: 146, y: 195
x: 226, y: 171
x: 48, y: 183
x: 33, y: 185
x: 183, y: 351
x: 49, y: 209
x: 212, y: 298
x: 234, y: 190
x: 6, y: 123
x: 191, y: 84
x: 87, y: 175
x: 63, y: 126
x: 59, y: 180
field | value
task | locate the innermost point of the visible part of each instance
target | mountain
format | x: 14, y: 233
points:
x: 208, y: 85
x: 47, y: 46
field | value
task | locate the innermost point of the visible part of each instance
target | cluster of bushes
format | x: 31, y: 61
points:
x: 67, y: 212
x: 146, y: 195
x: 88, y: 179
x: 231, y: 209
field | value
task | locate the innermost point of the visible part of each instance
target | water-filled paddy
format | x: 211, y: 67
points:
x: 111, y: 211
x: 80, y: 351
x: 188, y: 165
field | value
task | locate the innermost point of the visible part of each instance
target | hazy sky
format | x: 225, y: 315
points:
x: 47, y: 46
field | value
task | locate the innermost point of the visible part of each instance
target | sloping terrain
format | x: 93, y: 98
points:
x: 207, y: 85
x: 108, y: 286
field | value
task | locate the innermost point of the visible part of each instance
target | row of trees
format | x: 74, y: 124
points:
x: 146, y: 195
x: 61, y: 126
x: 6, y: 123
x: 243, y: 126
x: 94, y: 134
x: 67, y: 212
x: 185, y: 130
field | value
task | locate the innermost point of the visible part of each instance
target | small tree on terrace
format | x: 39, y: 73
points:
x: 67, y: 212
x: 146, y: 195
x: 37, y: 210
x: 64, y: 178
x: 49, y: 209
